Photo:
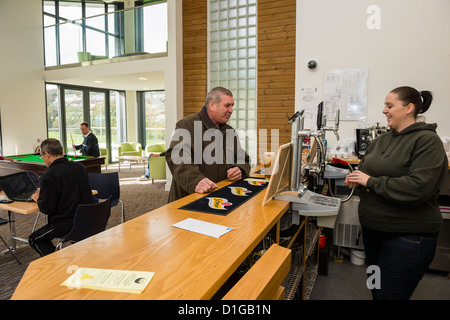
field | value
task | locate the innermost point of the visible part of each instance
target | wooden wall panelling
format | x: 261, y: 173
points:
x: 194, y: 55
x: 276, y: 67
x: 276, y: 62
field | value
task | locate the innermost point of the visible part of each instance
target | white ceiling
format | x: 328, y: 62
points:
x: 140, y: 72
x: 136, y: 81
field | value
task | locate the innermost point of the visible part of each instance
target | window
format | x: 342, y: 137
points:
x: 151, y: 28
x: 153, y: 117
x: 96, y: 30
x: 73, y: 28
x: 86, y: 30
x: 68, y: 106
x: 98, y: 116
x: 72, y: 108
x: 232, y: 63
x: 50, y: 36
x: 53, y: 115
x: 118, y: 121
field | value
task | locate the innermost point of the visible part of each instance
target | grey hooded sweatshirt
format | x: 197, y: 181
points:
x: 406, y: 170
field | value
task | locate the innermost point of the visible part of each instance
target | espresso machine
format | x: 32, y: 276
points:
x: 365, y: 136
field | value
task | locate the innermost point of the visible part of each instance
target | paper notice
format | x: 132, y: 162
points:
x: 202, y: 227
x: 109, y: 280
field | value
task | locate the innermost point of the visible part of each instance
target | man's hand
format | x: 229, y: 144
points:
x: 35, y: 195
x: 205, y: 185
x: 234, y: 174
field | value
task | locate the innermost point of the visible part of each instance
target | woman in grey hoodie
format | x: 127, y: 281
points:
x: 399, y: 180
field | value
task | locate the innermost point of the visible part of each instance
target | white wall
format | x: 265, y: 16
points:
x: 23, y: 116
x: 174, y: 74
x: 412, y: 47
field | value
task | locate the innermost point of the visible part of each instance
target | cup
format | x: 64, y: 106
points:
x: 268, y: 159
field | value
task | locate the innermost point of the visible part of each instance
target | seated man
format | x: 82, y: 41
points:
x: 64, y: 186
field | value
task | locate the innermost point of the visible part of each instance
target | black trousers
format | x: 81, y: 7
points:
x: 41, y: 239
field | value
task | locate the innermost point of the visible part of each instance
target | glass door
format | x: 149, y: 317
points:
x: 103, y: 109
x: 155, y: 117
x: 97, y: 111
x: 53, y: 116
x: 117, y: 122
x: 73, y: 103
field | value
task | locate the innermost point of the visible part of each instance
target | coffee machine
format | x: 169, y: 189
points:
x: 365, y: 136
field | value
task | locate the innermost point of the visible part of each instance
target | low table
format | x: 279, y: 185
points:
x: 131, y: 159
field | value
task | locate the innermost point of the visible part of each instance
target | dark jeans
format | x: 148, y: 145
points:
x: 402, y: 260
x: 41, y: 239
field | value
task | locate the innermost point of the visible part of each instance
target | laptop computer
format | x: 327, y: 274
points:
x: 18, y: 186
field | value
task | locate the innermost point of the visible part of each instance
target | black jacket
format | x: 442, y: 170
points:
x: 89, y: 146
x: 63, y: 187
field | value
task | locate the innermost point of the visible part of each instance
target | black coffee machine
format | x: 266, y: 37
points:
x: 365, y: 136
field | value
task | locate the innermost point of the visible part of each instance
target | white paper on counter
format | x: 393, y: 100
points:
x: 202, y: 227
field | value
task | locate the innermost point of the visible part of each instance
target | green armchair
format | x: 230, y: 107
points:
x: 157, y: 165
x: 104, y: 153
x: 130, y: 149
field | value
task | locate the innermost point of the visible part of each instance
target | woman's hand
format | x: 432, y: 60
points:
x: 356, y: 178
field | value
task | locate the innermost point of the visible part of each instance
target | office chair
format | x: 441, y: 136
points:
x: 3, y: 222
x: 107, y: 184
x: 90, y: 219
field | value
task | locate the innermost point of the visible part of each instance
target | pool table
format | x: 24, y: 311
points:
x: 31, y: 162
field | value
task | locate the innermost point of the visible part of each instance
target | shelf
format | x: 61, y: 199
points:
x: 311, y: 271
x: 292, y: 281
x: 311, y: 242
x: 303, y: 273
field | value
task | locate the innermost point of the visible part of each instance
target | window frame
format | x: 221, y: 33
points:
x: 118, y: 32
x: 86, y: 112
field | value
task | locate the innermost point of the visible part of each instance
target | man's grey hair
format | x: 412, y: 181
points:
x: 216, y: 94
x: 52, y: 146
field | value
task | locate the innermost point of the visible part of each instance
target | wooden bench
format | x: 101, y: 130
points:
x: 263, y: 280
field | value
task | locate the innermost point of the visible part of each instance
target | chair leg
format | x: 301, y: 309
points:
x: 9, y: 249
x: 123, y: 212
x: 59, y: 245
x: 36, y: 221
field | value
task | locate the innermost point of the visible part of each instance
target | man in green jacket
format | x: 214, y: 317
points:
x: 205, y: 149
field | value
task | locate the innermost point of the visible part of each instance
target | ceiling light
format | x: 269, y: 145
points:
x: 143, y: 78
x: 98, y: 81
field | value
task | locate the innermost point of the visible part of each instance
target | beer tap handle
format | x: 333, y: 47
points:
x: 319, y: 115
